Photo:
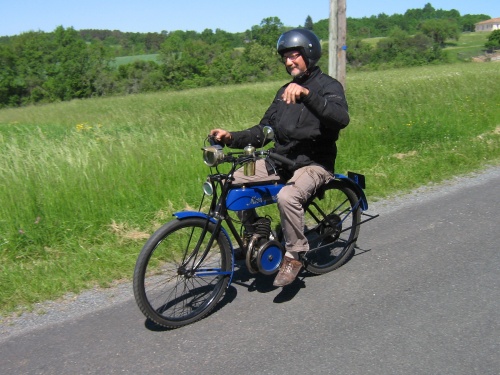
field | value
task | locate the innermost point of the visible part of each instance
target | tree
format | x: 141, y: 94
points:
x: 140, y: 76
x: 309, y: 23
x: 172, y: 44
x: 359, y: 53
x: 383, y: 24
x: 493, y: 42
x: 401, y: 49
x: 225, y: 68
x: 321, y: 29
x: 428, y: 12
x: 66, y: 66
x: 10, y: 90
x: 468, y: 21
x: 268, y: 32
x: 52, y: 66
x: 258, y: 62
x: 440, y: 30
x: 32, y: 50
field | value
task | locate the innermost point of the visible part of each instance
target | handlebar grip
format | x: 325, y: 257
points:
x: 282, y: 159
x: 213, y: 142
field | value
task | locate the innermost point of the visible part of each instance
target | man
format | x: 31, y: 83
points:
x: 306, y: 115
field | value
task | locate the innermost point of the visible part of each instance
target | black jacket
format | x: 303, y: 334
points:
x: 306, y: 131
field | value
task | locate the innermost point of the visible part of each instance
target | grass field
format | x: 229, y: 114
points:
x: 130, y: 59
x: 85, y: 182
x: 468, y: 46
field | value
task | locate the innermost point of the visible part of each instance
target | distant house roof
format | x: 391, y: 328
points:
x: 488, y: 25
x: 493, y: 20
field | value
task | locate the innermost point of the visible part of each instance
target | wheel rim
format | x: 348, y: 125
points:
x: 332, y: 240
x: 173, y: 290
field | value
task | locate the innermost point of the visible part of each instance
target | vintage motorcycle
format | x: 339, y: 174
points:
x: 185, y: 267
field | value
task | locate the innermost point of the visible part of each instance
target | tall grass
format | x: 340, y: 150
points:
x: 83, y: 183
x: 412, y: 126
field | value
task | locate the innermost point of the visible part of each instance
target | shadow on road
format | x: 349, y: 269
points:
x: 259, y: 283
x: 264, y: 284
x: 229, y: 297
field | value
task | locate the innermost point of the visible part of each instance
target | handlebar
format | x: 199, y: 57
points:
x: 214, y: 142
x: 215, y: 155
x: 282, y: 159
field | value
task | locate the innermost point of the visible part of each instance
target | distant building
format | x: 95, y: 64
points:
x: 488, y: 25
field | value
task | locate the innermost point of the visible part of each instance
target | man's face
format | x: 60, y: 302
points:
x: 294, y: 62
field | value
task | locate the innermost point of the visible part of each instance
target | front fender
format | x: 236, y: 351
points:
x: 187, y: 214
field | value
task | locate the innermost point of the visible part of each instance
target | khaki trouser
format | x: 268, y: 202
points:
x: 304, y: 183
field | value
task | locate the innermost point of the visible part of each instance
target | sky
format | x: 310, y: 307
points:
x: 18, y: 16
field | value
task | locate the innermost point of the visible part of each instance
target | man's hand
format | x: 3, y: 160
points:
x: 221, y: 135
x: 293, y: 93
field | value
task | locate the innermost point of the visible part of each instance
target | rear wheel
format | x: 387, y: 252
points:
x: 174, y: 284
x: 332, y: 228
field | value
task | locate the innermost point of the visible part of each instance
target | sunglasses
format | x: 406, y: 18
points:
x: 291, y: 57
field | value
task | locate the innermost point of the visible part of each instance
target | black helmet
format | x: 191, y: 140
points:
x: 302, y: 40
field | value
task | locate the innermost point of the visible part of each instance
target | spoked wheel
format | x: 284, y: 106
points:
x: 174, y: 283
x: 332, y: 227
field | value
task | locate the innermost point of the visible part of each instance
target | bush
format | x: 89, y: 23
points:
x: 493, y: 42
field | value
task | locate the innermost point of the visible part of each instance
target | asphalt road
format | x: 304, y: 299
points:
x: 421, y: 296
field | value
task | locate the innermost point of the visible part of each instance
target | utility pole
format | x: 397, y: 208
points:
x: 337, y: 41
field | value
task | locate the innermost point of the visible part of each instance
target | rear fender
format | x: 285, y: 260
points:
x: 356, y: 187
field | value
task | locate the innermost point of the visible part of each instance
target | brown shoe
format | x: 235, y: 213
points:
x: 289, y: 270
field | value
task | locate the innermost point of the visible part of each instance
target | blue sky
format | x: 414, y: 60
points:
x: 17, y: 16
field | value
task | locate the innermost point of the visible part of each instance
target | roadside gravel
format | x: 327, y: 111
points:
x: 73, y: 306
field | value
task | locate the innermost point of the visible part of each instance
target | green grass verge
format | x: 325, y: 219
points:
x: 130, y: 59
x: 469, y: 45
x: 85, y: 182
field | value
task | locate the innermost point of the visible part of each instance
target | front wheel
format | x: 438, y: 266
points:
x: 332, y: 228
x: 179, y: 275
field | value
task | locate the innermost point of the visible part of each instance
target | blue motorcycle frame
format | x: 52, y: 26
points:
x: 187, y: 264
x: 244, y: 198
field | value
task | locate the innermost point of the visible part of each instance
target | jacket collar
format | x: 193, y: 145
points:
x: 307, y: 75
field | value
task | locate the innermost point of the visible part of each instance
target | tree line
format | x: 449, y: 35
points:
x: 65, y: 64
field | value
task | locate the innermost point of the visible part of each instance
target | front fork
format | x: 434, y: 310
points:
x: 196, y: 270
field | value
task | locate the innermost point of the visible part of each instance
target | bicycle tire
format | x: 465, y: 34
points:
x: 167, y: 289
x: 332, y: 233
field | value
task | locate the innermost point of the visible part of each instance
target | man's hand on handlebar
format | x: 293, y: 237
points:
x: 221, y: 135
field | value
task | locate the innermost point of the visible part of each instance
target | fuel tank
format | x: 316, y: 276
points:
x: 244, y: 198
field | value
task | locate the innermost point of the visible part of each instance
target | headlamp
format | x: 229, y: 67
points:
x: 213, y: 155
x: 208, y: 188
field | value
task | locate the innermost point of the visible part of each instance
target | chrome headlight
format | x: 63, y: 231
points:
x: 212, y: 155
x: 208, y: 188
